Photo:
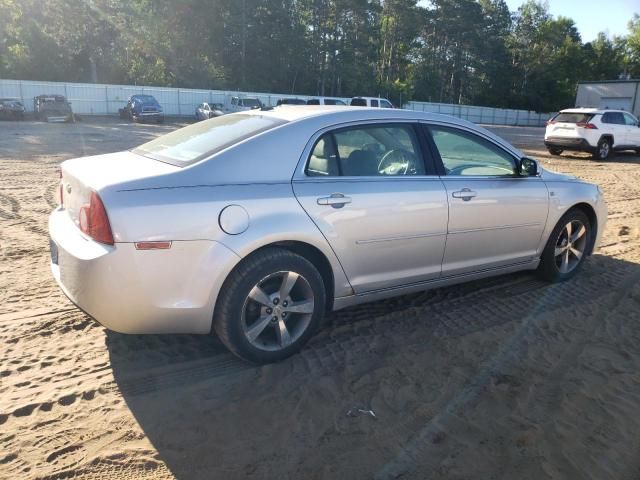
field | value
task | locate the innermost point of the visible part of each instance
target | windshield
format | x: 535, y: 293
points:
x: 145, y: 99
x: 201, y: 140
x: 251, y: 102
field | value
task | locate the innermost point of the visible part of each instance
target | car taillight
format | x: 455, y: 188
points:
x: 94, y: 221
x: 588, y: 126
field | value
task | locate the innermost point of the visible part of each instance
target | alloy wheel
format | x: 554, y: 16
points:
x: 570, y: 246
x: 277, y: 311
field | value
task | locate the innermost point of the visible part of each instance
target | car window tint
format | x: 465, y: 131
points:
x: 198, y: 141
x: 378, y: 151
x: 359, y: 102
x: 614, y: 118
x: 374, y: 103
x: 314, y: 101
x: 569, y: 117
x: 629, y: 120
x: 464, y: 153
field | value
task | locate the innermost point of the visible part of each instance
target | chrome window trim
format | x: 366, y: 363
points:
x: 300, y: 174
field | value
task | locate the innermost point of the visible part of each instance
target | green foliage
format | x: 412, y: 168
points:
x: 459, y: 51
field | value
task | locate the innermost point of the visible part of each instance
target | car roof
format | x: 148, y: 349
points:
x: 323, y: 116
x: 594, y: 111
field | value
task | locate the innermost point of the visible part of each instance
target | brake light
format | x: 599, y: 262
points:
x: 588, y: 126
x: 95, y: 222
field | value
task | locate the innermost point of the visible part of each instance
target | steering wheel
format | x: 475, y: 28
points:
x: 397, y: 162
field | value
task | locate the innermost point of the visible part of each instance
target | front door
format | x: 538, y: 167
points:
x: 496, y: 218
x: 633, y: 131
x: 366, y: 189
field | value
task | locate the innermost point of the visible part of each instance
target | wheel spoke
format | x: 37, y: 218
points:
x: 283, y: 333
x: 305, y: 306
x: 288, y: 281
x: 259, y: 296
x: 564, y: 268
x: 576, y: 253
x: 559, y: 251
x: 581, y: 231
x: 258, y: 327
x: 568, y: 228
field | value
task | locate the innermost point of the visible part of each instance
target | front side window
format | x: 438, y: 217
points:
x: 464, y: 153
x: 200, y: 140
x: 630, y: 120
x: 385, y: 104
x: 368, y: 151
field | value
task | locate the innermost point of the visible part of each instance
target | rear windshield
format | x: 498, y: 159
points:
x: 191, y: 144
x: 569, y: 117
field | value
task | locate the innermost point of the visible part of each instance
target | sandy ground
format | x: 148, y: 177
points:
x: 500, y: 379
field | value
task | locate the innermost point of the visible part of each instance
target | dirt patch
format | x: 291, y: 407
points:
x: 503, y: 378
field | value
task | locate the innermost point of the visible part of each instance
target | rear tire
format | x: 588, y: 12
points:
x: 254, y: 322
x: 555, y: 151
x: 566, y: 248
x: 603, y: 149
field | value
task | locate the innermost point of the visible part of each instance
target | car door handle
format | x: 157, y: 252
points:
x: 465, y: 194
x: 336, y: 200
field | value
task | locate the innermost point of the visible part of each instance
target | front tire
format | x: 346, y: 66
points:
x: 270, y: 306
x: 603, y: 149
x: 566, y: 248
x: 555, y: 151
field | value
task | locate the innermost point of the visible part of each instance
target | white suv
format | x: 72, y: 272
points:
x: 592, y: 130
x: 373, y: 102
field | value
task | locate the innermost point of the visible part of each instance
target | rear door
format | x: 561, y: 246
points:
x: 366, y: 188
x: 496, y: 218
x: 616, y: 126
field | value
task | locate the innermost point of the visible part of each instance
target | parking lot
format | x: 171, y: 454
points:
x: 502, y: 378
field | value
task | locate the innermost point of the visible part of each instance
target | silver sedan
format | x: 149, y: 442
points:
x: 255, y: 224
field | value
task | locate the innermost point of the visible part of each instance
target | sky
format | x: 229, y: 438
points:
x: 592, y: 16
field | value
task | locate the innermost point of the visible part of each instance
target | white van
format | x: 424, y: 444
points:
x: 373, y: 102
x: 325, y: 101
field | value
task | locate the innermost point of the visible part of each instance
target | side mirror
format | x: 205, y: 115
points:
x: 528, y: 167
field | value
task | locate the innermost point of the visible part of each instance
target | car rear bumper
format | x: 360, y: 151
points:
x: 139, y: 291
x: 568, y: 143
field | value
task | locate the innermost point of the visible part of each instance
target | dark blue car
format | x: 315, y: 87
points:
x: 142, y: 108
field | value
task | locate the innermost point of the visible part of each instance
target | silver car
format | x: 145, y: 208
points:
x: 255, y: 224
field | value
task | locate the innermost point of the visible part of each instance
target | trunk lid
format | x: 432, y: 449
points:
x: 82, y: 176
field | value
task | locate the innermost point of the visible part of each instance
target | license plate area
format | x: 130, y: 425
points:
x: 53, y: 248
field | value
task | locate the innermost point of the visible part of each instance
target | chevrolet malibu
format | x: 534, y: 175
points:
x: 254, y: 225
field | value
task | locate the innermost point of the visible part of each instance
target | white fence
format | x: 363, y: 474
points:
x: 101, y: 99
x: 486, y: 115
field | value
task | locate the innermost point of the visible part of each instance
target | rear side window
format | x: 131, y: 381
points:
x: 191, y: 144
x: 367, y: 151
x: 615, y: 118
x: 313, y: 101
x: 374, y: 103
x: 358, y: 102
x: 569, y: 117
x: 332, y: 101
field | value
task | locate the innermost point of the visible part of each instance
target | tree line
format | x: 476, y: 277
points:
x: 453, y: 51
